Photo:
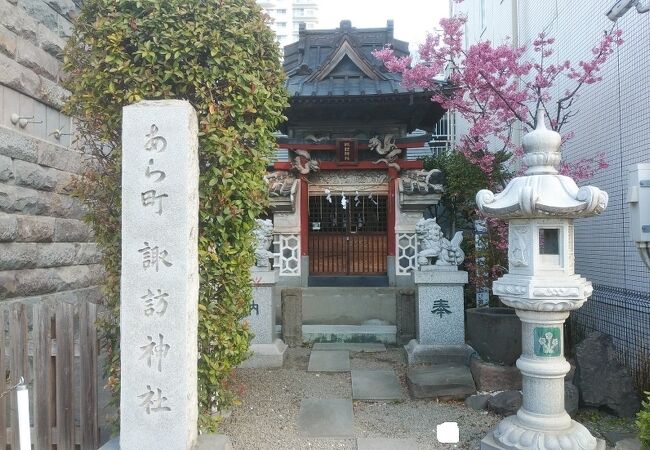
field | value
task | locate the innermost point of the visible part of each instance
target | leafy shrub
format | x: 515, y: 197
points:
x: 643, y: 422
x: 457, y: 211
x: 221, y: 56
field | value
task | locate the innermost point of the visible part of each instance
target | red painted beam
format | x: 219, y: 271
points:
x: 361, y: 165
x: 332, y: 147
x: 304, y: 217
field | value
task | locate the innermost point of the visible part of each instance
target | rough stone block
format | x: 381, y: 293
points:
x: 20, y: 78
x: 59, y: 158
x: 493, y: 377
x: 16, y: 199
x: 505, y: 403
x: 37, y: 59
x: 50, y: 42
x: 71, y: 230
x: 6, y: 168
x: 8, y: 227
x: 17, y: 21
x: 445, y: 381
x: 478, y: 402
x: 292, y: 317
x: 19, y: 255
x: 63, y: 7
x: 602, y: 379
x: 330, y: 418
x: 376, y: 385
x: 40, y: 12
x: 16, y: 145
x: 29, y: 282
x: 8, y: 41
x: 35, y: 176
x: 34, y: 228
x: 51, y: 93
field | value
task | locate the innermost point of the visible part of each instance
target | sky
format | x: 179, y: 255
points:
x: 412, y: 18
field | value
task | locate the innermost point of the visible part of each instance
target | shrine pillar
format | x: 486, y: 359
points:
x: 286, y: 195
x: 414, y: 192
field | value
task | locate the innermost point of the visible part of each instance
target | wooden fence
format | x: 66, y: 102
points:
x: 54, y: 348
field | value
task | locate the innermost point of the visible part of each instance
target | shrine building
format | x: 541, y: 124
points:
x: 345, y: 196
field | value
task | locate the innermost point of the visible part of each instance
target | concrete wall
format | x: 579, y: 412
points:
x: 46, y: 251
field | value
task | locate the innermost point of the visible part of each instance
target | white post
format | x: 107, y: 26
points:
x: 160, y: 282
x: 24, y: 428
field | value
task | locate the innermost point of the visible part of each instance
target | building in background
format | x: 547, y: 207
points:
x: 287, y: 16
x: 612, y: 116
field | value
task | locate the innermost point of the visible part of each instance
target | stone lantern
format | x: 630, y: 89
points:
x: 543, y: 288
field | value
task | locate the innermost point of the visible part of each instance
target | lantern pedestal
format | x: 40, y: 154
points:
x: 542, y: 421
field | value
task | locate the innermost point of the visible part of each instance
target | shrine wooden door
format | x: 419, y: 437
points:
x: 348, y: 234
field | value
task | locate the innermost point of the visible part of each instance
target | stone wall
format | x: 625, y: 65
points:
x: 46, y: 251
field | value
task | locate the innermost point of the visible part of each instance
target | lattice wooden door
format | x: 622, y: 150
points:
x: 350, y: 240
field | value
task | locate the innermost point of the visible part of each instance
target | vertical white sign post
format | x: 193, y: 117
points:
x: 160, y: 279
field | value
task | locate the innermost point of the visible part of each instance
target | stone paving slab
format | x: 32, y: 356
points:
x: 351, y: 347
x: 446, y: 381
x: 329, y: 361
x: 330, y: 418
x: 375, y: 385
x: 386, y: 444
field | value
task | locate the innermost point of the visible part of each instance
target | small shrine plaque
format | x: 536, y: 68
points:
x: 347, y: 150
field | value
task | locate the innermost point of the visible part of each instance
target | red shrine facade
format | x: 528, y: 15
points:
x: 345, y: 196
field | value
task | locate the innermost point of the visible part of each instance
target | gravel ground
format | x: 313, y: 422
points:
x: 267, y: 417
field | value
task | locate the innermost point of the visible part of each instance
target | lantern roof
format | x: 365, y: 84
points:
x: 542, y: 192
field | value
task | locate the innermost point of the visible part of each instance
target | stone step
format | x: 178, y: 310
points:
x: 350, y: 347
x: 348, y: 306
x: 444, y: 381
x: 376, y: 385
x: 386, y: 334
x: 326, y: 418
x: 329, y: 361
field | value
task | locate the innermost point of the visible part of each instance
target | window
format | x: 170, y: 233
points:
x: 549, y: 246
x: 281, y: 11
x: 282, y: 24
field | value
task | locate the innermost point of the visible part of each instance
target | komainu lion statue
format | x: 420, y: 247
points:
x: 263, y: 239
x: 432, y: 244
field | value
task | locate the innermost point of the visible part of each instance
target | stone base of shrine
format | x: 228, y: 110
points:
x: 266, y: 356
x: 417, y: 353
x: 490, y: 443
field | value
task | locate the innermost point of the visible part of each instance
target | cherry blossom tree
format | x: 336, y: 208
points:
x: 496, y: 88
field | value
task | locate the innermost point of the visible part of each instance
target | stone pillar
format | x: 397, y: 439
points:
x: 267, y: 350
x: 440, y: 316
x: 160, y: 280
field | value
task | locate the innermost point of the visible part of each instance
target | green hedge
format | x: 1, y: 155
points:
x: 221, y: 56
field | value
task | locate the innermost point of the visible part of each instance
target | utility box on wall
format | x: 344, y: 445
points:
x: 639, y: 200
